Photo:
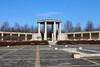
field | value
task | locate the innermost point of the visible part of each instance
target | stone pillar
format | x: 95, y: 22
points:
x: 59, y: 28
x: 59, y: 31
x: 32, y: 37
x: 18, y: 36
x: 54, y: 30
x: 90, y: 36
x: 99, y: 35
x: 81, y: 36
x: 39, y: 34
x: 25, y: 37
x: 2, y: 36
x: 74, y: 36
x: 10, y: 36
x: 45, y: 34
x: 52, y: 37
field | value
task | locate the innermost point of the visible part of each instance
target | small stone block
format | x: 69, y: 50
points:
x: 76, y: 55
x: 66, y: 45
x: 80, y: 48
x: 49, y: 45
x: 56, y: 48
x: 8, y: 46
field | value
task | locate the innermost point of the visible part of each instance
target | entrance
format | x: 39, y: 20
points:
x: 49, y: 35
x: 52, y: 33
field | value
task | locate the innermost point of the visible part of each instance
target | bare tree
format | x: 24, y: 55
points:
x: 26, y: 28
x: 16, y: 27
x: 32, y: 29
x: 5, y: 27
x: 97, y: 29
x: 36, y: 29
x: 89, y: 26
x: 68, y: 27
x: 77, y: 28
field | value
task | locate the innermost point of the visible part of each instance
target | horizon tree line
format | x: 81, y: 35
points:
x: 5, y: 27
x: 67, y: 27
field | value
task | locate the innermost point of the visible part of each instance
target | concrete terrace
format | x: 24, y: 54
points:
x: 46, y: 56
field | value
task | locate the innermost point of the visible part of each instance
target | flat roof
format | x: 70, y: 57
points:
x: 49, y: 21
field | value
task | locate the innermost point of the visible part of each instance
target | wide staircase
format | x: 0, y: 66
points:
x: 52, y: 42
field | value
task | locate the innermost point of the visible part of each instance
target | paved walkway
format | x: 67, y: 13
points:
x: 44, y: 56
x: 37, y: 57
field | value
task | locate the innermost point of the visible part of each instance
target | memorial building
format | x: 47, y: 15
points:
x: 53, y: 34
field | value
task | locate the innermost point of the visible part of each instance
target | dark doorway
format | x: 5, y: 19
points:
x: 49, y: 35
x: 42, y: 34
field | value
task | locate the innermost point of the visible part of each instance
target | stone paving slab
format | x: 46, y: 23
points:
x: 95, y: 59
x: 25, y: 56
x: 57, y: 58
x: 22, y: 57
x: 16, y: 63
x: 88, y: 52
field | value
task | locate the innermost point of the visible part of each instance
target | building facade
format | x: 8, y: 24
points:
x: 53, y: 33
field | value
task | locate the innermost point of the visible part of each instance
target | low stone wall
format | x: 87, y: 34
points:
x: 14, y: 43
x: 64, y: 42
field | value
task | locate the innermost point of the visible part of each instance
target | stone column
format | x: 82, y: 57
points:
x: 54, y: 30
x: 74, y: 36
x: 2, y: 36
x: 59, y: 28
x: 39, y: 34
x: 59, y: 31
x: 81, y: 36
x: 32, y: 37
x: 10, y: 36
x: 52, y: 37
x: 99, y: 35
x: 25, y: 37
x: 18, y: 36
x: 52, y: 33
x: 45, y: 34
x: 90, y: 36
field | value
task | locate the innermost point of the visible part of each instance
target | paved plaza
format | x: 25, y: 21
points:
x: 47, y: 56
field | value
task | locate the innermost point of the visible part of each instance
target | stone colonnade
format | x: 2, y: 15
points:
x: 54, y: 27
x: 93, y: 35
x: 64, y: 36
x: 16, y: 36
